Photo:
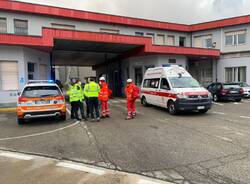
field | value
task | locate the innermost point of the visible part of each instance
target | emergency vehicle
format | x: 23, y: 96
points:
x: 174, y: 88
x: 40, y: 98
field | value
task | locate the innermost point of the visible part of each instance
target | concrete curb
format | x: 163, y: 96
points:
x: 89, y: 168
x: 8, y: 109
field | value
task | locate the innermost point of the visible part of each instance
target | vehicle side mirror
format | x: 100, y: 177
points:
x: 19, y: 93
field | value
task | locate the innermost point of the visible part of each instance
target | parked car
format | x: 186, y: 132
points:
x: 225, y: 91
x: 40, y: 99
x: 175, y: 89
x: 246, y: 89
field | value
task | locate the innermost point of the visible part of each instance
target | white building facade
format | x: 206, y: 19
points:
x: 34, y: 38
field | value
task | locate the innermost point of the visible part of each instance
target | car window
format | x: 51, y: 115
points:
x: 154, y: 83
x: 218, y: 86
x: 146, y: 83
x: 210, y: 87
x: 41, y: 91
x: 165, y: 84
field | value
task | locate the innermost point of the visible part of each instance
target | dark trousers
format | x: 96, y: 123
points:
x: 94, y: 106
x: 74, y: 109
x: 82, y: 109
x: 87, y: 107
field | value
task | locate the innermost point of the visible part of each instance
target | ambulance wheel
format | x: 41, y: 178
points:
x: 144, y: 101
x: 171, y: 108
x: 63, y: 117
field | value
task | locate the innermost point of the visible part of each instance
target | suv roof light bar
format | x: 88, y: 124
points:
x: 40, y: 81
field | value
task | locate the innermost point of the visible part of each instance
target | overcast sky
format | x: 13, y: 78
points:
x: 179, y: 11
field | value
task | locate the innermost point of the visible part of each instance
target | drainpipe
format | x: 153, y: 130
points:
x: 52, y: 68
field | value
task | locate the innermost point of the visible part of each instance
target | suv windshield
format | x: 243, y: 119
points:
x: 41, y: 91
x: 184, y: 82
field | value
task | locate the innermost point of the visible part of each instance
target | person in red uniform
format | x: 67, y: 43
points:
x: 132, y: 93
x: 103, y: 97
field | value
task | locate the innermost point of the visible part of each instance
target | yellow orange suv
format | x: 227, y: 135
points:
x: 40, y: 98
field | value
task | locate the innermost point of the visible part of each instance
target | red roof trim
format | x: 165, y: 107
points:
x: 48, y: 35
x: 221, y: 23
x: 15, y: 6
x: 89, y: 16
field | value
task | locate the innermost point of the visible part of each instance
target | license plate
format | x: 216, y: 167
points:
x: 200, y: 107
x: 233, y: 92
x: 43, y: 102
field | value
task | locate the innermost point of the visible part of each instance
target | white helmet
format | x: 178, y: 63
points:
x: 102, y: 79
x: 129, y: 80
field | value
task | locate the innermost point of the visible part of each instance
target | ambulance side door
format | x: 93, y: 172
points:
x: 164, y: 91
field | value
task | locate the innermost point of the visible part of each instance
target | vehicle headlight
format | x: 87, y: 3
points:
x: 181, y: 95
x: 209, y: 95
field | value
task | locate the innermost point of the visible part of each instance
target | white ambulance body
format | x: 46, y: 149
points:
x: 174, y: 88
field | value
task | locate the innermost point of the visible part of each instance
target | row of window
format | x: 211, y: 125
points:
x: 154, y: 83
x: 161, y: 39
x: 20, y: 26
x: 231, y: 39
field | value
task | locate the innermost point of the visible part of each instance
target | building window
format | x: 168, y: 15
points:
x: 151, y: 35
x: 160, y: 39
x: 111, y: 31
x: 3, y: 25
x: 21, y: 27
x: 209, y: 42
x: 172, y: 61
x: 31, y: 71
x: 8, y: 75
x: 235, y: 74
x: 204, y: 41
x: 171, y: 40
x: 62, y: 26
x: 182, y: 41
x: 139, y: 33
x: 138, y: 76
x: 235, y: 38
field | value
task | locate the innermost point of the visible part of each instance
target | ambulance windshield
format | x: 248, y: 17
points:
x: 184, y: 82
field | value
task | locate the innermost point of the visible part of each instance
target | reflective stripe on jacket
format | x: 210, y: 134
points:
x: 104, y: 92
x: 132, y: 91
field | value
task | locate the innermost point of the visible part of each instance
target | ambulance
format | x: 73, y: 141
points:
x: 174, y: 88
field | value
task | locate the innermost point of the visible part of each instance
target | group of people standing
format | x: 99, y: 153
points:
x: 95, y: 95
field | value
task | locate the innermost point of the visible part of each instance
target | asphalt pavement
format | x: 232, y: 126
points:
x: 188, y: 148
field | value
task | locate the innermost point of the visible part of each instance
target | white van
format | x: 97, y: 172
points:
x: 174, y: 88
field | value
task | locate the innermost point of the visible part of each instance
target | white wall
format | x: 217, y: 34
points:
x: 232, y: 62
x: 36, y: 57
x: 22, y: 56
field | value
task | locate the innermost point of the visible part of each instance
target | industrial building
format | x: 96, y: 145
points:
x: 36, y: 38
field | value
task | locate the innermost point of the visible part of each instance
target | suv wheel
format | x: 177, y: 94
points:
x: 20, y: 121
x: 171, y: 108
x: 238, y: 100
x: 215, y: 98
x: 63, y: 117
x: 144, y: 101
